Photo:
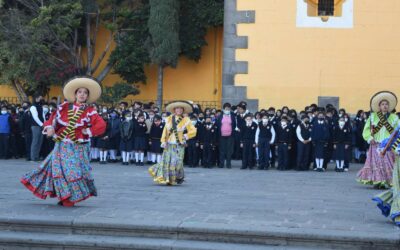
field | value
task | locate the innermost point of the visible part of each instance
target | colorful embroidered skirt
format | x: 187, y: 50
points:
x: 170, y: 169
x: 64, y: 174
x: 389, y: 201
x: 377, y: 170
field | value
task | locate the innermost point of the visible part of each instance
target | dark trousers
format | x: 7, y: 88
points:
x: 237, y: 154
x: 4, y: 145
x: 28, y: 142
x: 273, y: 155
x: 192, y: 153
x: 264, y: 149
x: 248, y: 154
x: 283, y: 156
x: 303, y: 156
x: 207, y: 155
x: 225, y: 150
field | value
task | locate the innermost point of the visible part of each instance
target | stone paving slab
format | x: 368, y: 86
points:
x: 298, y: 202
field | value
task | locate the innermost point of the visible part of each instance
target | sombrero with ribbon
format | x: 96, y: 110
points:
x: 89, y: 83
x: 187, y: 107
x: 381, y: 96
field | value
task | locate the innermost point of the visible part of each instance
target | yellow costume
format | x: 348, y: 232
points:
x: 176, y: 132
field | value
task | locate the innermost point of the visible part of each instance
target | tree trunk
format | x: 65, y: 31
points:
x: 19, y: 91
x: 89, y: 46
x: 160, y: 87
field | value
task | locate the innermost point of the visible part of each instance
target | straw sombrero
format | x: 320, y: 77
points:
x: 187, y: 107
x: 383, y: 96
x: 82, y: 82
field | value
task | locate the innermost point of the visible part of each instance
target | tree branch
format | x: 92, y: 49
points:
x: 103, y: 54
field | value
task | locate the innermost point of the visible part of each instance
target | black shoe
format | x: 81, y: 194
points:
x: 228, y: 166
x: 221, y: 166
x: 243, y: 167
x: 260, y: 168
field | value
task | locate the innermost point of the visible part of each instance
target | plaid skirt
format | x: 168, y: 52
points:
x: 170, y: 170
x: 65, y: 174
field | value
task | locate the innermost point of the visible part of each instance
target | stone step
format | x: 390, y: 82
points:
x: 327, y: 239
x: 33, y: 241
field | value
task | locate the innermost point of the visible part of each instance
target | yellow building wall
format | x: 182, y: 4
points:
x: 189, y: 81
x: 293, y: 66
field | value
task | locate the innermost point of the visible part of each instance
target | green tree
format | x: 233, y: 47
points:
x: 163, y: 42
x: 195, y: 19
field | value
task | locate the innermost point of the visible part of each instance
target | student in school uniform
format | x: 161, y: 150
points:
x: 320, y: 135
x: 248, y: 142
x: 265, y: 137
x: 293, y: 122
x: 126, y: 132
x: 193, y: 144
x: 140, y: 143
x: 274, y: 121
x: 341, y: 142
x: 284, y: 139
x: 103, y: 141
x: 208, y: 139
x: 303, y: 134
x: 155, y: 139
x: 240, y: 123
x: 114, y: 136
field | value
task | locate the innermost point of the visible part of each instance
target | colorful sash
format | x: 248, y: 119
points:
x: 174, y: 128
x: 383, y: 123
x: 72, y: 119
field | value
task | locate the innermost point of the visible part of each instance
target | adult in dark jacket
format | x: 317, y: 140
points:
x: 25, y: 125
x: 226, y: 125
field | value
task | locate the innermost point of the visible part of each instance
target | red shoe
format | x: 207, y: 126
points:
x: 67, y: 203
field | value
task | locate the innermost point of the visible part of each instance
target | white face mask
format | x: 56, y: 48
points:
x: 264, y: 120
x: 346, y: 119
x: 227, y: 112
x: 194, y: 122
x: 249, y: 123
x: 284, y: 124
x: 3, y: 112
x: 45, y: 110
x: 341, y: 124
x: 104, y: 110
x: 128, y: 118
x: 164, y: 119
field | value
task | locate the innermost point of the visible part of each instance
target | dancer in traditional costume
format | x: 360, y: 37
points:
x: 377, y: 170
x: 177, y: 131
x: 389, y: 201
x: 66, y: 173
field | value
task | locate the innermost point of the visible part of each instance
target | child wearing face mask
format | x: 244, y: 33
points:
x: 320, y: 135
x: 5, y: 131
x: 248, y: 142
x: 341, y: 143
x: 284, y: 139
x: 126, y: 132
x: 140, y: 130
x: 208, y: 139
x: 155, y: 139
x: 114, y: 136
x: 265, y: 137
x: 103, y: 141
x: 193, y: 144
x: 303, y: 133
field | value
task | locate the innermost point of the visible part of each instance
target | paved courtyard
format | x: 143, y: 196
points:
x: 324, y: 203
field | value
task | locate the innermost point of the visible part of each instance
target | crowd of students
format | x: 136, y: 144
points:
x: 281, y: 138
